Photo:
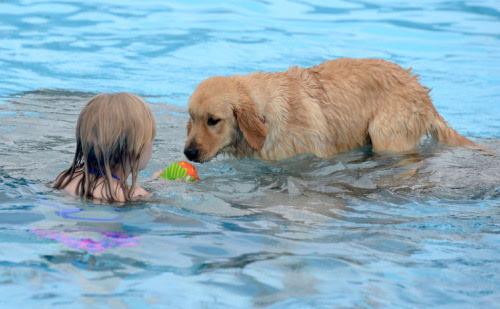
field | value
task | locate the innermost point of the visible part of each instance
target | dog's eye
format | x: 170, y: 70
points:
x: 212, y: 122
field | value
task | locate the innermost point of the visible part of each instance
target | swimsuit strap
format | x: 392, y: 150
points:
x: 99, y: 174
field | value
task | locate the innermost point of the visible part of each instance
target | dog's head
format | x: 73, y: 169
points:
x: 220, y: 109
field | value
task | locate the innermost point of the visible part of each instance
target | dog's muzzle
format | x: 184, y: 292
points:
x: 192, y: 153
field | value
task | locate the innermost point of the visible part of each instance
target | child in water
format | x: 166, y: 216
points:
x: 114, y: 138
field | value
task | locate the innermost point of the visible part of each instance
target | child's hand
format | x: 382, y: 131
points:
x: 157, y: 174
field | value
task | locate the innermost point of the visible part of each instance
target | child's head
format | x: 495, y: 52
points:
x: 114, y: 135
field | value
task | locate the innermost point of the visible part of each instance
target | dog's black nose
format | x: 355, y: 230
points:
x: 192, y: 153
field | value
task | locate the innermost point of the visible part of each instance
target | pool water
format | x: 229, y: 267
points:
x: 361, y: 230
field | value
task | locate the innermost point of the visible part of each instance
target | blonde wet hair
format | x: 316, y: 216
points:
x: 112, y: 133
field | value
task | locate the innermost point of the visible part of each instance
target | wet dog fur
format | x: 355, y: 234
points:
x: 333, y: 107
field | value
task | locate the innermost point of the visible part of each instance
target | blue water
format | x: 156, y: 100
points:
x: 357, y: 231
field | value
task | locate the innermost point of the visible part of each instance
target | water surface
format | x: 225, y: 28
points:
x: 361, y: 230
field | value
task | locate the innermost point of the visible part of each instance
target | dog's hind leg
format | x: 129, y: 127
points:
x: 401, y: 130
x: 397, y: 131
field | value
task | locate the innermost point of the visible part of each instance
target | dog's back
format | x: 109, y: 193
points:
x: 381, y: 102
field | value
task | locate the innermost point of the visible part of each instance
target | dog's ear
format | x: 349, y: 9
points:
x: 252, y: 127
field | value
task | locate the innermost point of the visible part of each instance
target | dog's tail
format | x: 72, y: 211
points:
x: 445, y: 134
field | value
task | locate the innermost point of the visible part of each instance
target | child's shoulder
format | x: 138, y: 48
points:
x: 140, y: 192
x: 72, y: 184
x: 99, y: 190
x: 120, y: 194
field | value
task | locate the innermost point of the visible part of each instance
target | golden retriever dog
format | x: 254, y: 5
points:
x: 333, y: 107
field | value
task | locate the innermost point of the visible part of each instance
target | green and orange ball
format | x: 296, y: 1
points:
x: 180, y: 171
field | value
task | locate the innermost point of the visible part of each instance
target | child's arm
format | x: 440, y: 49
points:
x: 157, y: 174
